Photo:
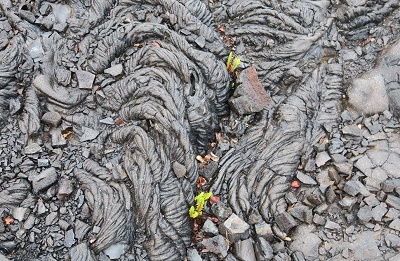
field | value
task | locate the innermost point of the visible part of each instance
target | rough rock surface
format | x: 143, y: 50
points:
x: 106, y: 105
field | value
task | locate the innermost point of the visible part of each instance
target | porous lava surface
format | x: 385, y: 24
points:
x: 115, y: 114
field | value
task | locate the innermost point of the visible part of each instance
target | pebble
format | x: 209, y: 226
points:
x: 114, y: 70
x: 63, y: 224
x: 88, y: 134
x: 65, y: 189
x: 201, y: 41
x: 264, y: 230
x: 52, y: 118
x: 365, y: 247
x: 235, y: 228
x: 43, y: 163
x: 285, y: 221
x: 210, y: 228
x: 365, y: 214
x: 85, y: 79
x: 19, y: 213
x: 32, y: 149
x: 392, y: 241
x: 305, y: 179
x: 322, y: 158
x: 352, y: 188
x: 306, y: 241
x: 216, y: 245
x: 393, y: 201
x: 44, y: 180
x: 69, y: 239
x: 51, y: 218
x: 221, y: 211
x: 265, y: 251
x: 395, y: 224
x: 379, y: 211
x: 57, y: 139
x: 29, y: 222
x: 244, y: 249
x: 193, y: 255
x: 332, y: 225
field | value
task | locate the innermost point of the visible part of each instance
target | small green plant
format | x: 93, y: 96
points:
x: 232, y: 63
x: 201, y: 200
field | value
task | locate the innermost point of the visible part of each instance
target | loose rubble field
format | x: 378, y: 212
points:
x: 116, y: 115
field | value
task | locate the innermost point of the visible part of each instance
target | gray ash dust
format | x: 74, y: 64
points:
x: 107, y: 105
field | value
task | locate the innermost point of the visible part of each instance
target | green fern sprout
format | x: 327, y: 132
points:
x: 232, y: 63
x: 200, y: 199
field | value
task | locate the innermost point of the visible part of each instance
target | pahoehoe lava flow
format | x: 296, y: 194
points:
x: 120, y: 96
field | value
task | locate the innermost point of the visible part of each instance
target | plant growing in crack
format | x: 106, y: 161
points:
x: 201, y: 199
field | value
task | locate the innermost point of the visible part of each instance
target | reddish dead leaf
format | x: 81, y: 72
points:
x: 221, y: 28
x: 213, y: 144
x: 155, y: 44
x: 201, y: 182
x: 295, y: 184
x: 76, y: 48
x: 66, y: 133
x: 214, y: 199
x: 119, y: 121
x: 207, y: 157
x: 9, y: 220
x: 200, y: 159
x: 97, y: 89
x: 211, y: 1
x: 137, y: 45
x: 214, y: 219
x: 235, y: 140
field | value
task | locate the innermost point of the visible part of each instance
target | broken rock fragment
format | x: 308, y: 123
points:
x: 44, y: 180
x: 234, y: 228
x: 249, y: 96
x: 85, y: 79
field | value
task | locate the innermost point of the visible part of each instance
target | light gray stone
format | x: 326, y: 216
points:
x: 305, y: 240
x: 393, y: 201
x: 44, y: 180
x: 32, y: 149
x: 116, y: 251
x: 85, y: 79
x: 52, y: 118
x: 367, y: 95
x: 114, y: 70
x: 210, y: 228
x: 235, y: 228
x: 322, y: 158
x: 216, y: 245
x: 305, y: 179
x: 244, y: 250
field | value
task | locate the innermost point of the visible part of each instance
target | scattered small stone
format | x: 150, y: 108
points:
x: 264, y: 230
x: 334, y: 175
x: 265, y: 250
x: 351, y: 187
x: 65, y: 189
x: 347, y: 202
x: 63, y: 224
x: 43, y: 163
x: 193, y: 255
x: 29, y: 222
x: 244, y: 250
x: 352, y: 130
x: 201, y: 41
x: 210, y: 228
x: 216, y: 245
x: 392, y: 214
x: 107, y: 120
x: 305, y: 179
x: 392, y: 241
x: 69, y: 239
x: 304, y: 240
x: 290, y: 198
x: 395, y: 224
x: 96, y: 229
x: 32, y: 149
x: 19, y: 213
x: 116, y: 251
x: 302, y: 213
x: 379, y: 211
x: 322, y: 158
x: 371, y: 200
x: 44, y: 180
x: 52, y: 118
x: 365, y: 246
x: 393, y: 201
x: 114, y: 70
x: 365, y: 214
x: 88, y: 134
x: 81, y: 229
x: 85, y: 79
x: 208, y: 170
x: 221, y: 211
x: 285, y: 221
x: 332, y: 225
x: 51, y: 218
x: 234, y: 228
x: 57, y: 139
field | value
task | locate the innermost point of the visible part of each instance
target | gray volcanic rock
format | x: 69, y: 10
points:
x: 249, y: 95
x: 43, y: 180
x: 235, y: 228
